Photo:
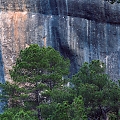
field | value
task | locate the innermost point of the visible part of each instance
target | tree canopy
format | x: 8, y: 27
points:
x: 39, y: 89
x: 37, y: 71
x: 100, y: 94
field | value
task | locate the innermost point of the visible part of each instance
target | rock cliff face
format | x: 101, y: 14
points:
x: 82, y: 30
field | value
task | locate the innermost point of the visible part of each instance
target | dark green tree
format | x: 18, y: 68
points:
x: 78, y: 109
x: 65, y: 110
x: 99, y: 93
x: 60, y: 97
x: 37, y: 71
x: 17, y: 114
x: 61, y: 112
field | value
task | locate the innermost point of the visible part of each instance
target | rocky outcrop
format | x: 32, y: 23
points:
x: 82, y: 30
x: 97, y: 10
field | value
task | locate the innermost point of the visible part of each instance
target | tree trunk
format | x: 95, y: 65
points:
x: 38, y: 100
x: 39, y: 114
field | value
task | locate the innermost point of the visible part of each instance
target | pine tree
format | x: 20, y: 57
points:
x: 37, y: 71
x: 100, y: 94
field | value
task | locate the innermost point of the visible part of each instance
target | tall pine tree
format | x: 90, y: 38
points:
x: 37, y: 71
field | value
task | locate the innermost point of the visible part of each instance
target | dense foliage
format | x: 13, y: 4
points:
x: 100, y: 94
x: 40, y: 91
x: 17, y: 114
x: 36, y: 73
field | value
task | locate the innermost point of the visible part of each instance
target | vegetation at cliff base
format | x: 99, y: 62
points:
x: 100, y: 95
x: 40, y: 89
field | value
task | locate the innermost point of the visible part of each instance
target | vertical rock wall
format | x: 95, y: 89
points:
x: 82, y: 30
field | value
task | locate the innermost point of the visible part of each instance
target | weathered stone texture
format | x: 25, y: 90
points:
x: 12, y: 27
x: 82, y: 30
x: 20, y: 5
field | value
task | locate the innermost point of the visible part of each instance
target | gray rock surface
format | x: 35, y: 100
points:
x: 82, y: 30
